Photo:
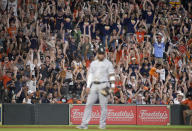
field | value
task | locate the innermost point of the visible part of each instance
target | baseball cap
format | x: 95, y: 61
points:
x: 30, y: 91
x: 180, y: 94
x: 160, y: 34
x: 129, y: 86
x: 133, y: 58
x: 101, y: 50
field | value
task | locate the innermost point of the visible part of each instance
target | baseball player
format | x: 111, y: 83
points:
x: 100, y: 83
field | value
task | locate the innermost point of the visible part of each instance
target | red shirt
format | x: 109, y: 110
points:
x: 117, y: 83
x: 140, y: 36
x: 5, y: 79
x: 188, y: 103
x: 88, y: 62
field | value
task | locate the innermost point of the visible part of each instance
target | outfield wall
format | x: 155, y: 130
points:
x: 64, y: 114
x: 35, y: 114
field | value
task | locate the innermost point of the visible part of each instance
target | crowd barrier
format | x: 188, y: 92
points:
x: 64, y: 114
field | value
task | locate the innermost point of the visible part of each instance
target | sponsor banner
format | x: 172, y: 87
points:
x: 153, y: 115
x: 0, y: 114
x: 117, y: 115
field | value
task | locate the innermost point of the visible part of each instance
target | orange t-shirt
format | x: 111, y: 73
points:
x: 75, y: 13
x: 129, y: 100
x: 182, y: 48
x: 5, y: 79
x: 189, y: 42
x: 88, y: 62
x: 140, y: 36
x: 188, y: 103
x: 59, y: 102
x: 11, y: 31
x: 189, y: 56
x: 117, y: 83
x: 7, y: 65
x: 70, y: 101
x: 118, y: 56
x: 79, y: 102
x: 176, y: 60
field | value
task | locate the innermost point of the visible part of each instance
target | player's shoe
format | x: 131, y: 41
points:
x: 82, y: 127
x: 102, y: 127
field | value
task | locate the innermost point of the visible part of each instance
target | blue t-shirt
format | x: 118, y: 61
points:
x: 114, y: 26
x: 34, y: 42
x: 52, y: 22
x: 104, y: 31
x: 59, y: 20
x: 148, y: 18
x: 129, y: 25
x: 46, y: 19
x: 67, y: 25
x: 81, y: 24
x: 159, y: 49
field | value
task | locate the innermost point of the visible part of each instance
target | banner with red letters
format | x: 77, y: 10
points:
x: 153, y: 115
x: 123, y: 115
x: 117, y: 115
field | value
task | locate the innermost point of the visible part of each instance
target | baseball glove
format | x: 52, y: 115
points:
x: 106, y: 91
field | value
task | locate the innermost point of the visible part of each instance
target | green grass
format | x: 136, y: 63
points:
x: 93, y: 128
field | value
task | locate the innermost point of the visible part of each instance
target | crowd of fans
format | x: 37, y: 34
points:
x: 46, y: 47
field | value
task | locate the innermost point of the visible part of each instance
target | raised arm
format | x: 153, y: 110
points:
x: 38, y: 57
x: 89, y: 33
x: 144, y: 5
x: 59, y: 89
x: 65, y: 44
x: 152, y: 5
x: 137, y: 53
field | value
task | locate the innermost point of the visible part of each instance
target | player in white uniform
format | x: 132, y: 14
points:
x: 100, y: 75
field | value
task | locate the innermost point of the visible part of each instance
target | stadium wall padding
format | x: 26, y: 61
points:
x: 18, y: 114
x: 177, y: 114
x: 49, y: 114
x: 37, y: 114
x: 58, y: 114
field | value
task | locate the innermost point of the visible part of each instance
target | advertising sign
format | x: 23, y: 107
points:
x: 153, y: 115
x: 117, y: 115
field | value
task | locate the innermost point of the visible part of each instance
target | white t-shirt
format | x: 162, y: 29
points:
x: 133, y: 84
x: 13, y: 5
x: 32, y: 67
x: 27, y: 102
x: 162, y: 73
x: 176, y: 101
x: 3, y: 4
x: 31, y: 85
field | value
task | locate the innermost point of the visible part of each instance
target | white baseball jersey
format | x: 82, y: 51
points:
x: 99, y: 71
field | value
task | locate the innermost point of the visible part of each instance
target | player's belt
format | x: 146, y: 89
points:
x: 99, y: 82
